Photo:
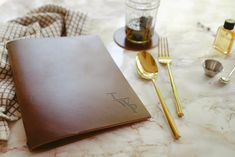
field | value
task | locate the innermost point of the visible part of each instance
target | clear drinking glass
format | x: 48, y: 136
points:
x: 140, y: 20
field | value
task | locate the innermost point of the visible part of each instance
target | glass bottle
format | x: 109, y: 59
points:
x: 225, y: 37
x: 140, y: 20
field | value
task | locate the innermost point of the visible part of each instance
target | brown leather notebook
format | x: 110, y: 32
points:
x: 70, y: 86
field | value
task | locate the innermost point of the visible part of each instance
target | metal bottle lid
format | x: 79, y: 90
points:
x: 229, y: 24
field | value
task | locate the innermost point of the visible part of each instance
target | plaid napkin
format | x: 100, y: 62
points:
x: 46, y: 21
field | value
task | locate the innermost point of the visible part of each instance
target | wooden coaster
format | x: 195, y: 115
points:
x: 120, y: 39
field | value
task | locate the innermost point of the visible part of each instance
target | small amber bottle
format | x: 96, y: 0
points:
x: 225, y: 37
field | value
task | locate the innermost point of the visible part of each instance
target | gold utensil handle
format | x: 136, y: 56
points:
x: 167, y: 112
x: 176, y: 95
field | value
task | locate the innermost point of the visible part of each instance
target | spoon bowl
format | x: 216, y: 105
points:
x: 146, y: 66
x: 224, y: 80
x: 147, y: 69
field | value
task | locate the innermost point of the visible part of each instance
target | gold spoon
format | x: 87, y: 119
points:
x: 147, y: 69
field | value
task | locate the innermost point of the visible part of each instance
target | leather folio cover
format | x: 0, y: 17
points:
x: 69, y: 86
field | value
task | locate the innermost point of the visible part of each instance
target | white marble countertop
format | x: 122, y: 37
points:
x: 208, y: 128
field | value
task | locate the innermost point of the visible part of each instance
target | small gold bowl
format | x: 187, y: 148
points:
x: 212, y: 67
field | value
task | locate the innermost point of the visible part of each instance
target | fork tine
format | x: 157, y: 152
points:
x: 164, y: 47
x: 167, y: 49
x: 159, y: 44
x: 159, y: 47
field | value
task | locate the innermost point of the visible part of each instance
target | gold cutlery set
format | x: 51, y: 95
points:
x: 147, y: 69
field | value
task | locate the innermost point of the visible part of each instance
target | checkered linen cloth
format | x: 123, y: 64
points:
x: 46, y: 21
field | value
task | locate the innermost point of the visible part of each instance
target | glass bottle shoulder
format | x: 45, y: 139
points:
x: 229, y: 33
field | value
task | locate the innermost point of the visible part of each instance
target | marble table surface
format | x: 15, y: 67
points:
x: 208, y: 127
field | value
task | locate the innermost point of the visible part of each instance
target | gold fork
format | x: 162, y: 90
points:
x: 164, y: 58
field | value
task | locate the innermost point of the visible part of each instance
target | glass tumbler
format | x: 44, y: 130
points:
x: 140, y: 20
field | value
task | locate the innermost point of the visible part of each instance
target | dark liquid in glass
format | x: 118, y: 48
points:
x: 140, y: 30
